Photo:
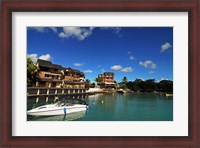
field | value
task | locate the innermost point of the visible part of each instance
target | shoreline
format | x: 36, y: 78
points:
x: 125, y: 91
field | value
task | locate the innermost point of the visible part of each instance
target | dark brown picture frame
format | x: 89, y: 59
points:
x: 190, y: 6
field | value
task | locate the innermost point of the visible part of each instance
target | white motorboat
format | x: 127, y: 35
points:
x: 121, y: 91
x: 67, y: 117
x: 94, y: 90
x: 59, y: 108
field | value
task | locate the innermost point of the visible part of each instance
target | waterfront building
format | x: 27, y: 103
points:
x: 106, y: 80
x: 49, y: 74
x: 53, y: 75
x: 73, y: 78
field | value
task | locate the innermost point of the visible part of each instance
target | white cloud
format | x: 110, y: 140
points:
x: 39, y: 29
x: 153, y: 66
x: 76, y: 32
x: 62, y: 35
x: 148, y: 63
x: 163, y: 79
x: 78, y: 64
x: 119, y: 67
x: 116, y: 67
x: 88, y: 71
x: 102, y: 70
x: 129, y: 52
x: 46, y: 57
x: 44, y: 29
x: 54, y: 29
x: 115, y: 29
x: 132, y: 58
x: 127, y: 69
x: 165, y: 47
x: 99, y: 65
x: 35, y: 57
x: 151, y: 72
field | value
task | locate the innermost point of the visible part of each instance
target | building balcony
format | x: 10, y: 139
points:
x: 49, y: 74
x: 68, y: 78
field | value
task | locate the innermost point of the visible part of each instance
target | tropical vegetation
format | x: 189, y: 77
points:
x: 32, y: 70
x: 149, y: 85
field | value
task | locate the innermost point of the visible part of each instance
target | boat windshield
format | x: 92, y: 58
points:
x: 69, y: 102
x: 42, y: 107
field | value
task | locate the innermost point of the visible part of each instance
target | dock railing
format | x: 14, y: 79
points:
x: 45, y: 92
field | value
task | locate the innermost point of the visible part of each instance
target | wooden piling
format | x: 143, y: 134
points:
x: 47, y: 98
x: 45, y: 92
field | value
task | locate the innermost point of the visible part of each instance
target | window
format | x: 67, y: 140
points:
x: 47, y: 75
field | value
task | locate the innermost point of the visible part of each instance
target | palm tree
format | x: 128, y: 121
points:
x: 125, y: 80
x: 123, y: 83
x: 32, y: 70
x: 99, y: 80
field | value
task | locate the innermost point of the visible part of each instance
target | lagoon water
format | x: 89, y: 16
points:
x: 119, y: 107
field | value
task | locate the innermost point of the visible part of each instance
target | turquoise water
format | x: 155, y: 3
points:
x: 120, y: 107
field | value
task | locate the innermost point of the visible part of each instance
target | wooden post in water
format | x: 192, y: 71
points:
x: 38, y: 93
x: 55, y: 98
x: 47, y: 98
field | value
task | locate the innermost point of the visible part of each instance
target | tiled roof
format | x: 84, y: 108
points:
x: 76, y: 70
x: 108, y: 73
x: 44, y: 63
x: 49, y: 64
x: 57, y: 66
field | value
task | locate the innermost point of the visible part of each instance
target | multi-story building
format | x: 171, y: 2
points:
x: 53, y: 75
x: 106, y: 80
x: 49, y: 75
x: 73, y: 78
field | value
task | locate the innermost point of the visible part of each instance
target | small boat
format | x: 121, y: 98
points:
x: 120, y: 91
x: 94, y: 90
x: 60, y: 108
x: 168, y: 95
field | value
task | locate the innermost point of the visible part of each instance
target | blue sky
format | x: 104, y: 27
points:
x: 134, y: 52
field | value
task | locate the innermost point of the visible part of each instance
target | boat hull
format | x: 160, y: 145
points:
x: 120, y: 91
x: 53, y: 110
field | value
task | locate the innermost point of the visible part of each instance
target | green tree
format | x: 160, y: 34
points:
x: 92, y: 85
x: 130, y: 85
x: 137, y: 86
x: 142, y: 86
x: 123, y: 83
x: 99, y: 80
x: 151, y: 85
x: 87, y: 84
x: 137, y: 81
x: 32, y: 70
x: 166, y: 86
x: 125, y: 80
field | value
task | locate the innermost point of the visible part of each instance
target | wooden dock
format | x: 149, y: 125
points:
x: 45, y: 92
